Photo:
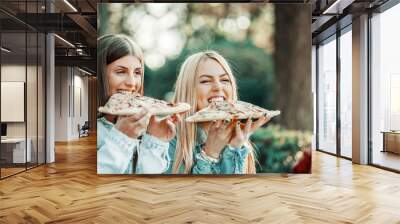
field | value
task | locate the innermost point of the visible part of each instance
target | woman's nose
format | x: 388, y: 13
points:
x: 217, y: 85
x: 130, y: 81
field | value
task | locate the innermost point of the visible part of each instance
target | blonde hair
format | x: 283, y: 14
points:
x: 110, y: 48
x: 184, y: 92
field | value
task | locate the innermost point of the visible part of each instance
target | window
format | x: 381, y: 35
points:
x: 346, y: 93
x: 327, y: 95
x: 22, y: 71
x: 385, y: 88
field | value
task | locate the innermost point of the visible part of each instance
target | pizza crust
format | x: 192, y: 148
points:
x: 177, y: 108
x: 223, y: 110
x: 127, y: 104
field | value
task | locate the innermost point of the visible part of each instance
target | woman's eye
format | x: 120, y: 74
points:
x: 226, y: 80
x: 204, y: 81
x: 138, y: 73
x: 120, y: 72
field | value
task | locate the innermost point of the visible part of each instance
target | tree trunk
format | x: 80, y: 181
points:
x: 293, y: 65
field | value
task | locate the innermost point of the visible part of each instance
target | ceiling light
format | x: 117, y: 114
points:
x: 337, y: 7
x: 70, y: 5
x: 64, y: 40
x: 5, y: 49
x: 84, y: 71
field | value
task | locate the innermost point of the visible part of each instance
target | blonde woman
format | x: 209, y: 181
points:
x: 122, y: 140
x: 210, y: 147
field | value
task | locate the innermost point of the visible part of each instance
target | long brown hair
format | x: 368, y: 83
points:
x: 185, y: 91
x: 110, y: 48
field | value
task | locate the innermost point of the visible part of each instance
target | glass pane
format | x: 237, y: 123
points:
x: 22, y: 63
x: 345, y: 94
x: 327, y: 96
x: 31, y: 97
x: 386, y: 89
x: 13, y: 85
x: 41, y: 98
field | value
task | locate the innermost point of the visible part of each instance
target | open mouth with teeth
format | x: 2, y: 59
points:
x: 216, y: 98
x: 124, y: 91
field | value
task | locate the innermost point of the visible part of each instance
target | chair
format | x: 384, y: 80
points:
x: 84, y: 130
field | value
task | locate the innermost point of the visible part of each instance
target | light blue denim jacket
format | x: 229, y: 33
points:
x: 231, y: 160
x: 116, y: 152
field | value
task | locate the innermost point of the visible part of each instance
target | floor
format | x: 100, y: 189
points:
x: 13, y: 170
x: 387, y: 159
x: 70, y: 191
x: 10, y: 171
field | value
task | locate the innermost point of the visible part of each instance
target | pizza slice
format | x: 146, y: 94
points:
x: 224, y: 110
x: 131, y: 103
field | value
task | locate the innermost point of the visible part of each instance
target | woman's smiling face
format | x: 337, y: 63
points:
x: 214, y: 84
x: 124, y: 75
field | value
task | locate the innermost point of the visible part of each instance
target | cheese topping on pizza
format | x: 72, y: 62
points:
x: 130, y: 103
x: 224, y: 110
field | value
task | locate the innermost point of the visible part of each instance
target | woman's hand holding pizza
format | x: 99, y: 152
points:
x: 218, y: 137
x: 164, y: 129
x: 241, y: 135
x: 135, y: 125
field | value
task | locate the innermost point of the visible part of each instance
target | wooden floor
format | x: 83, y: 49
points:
x: 10, y: 171
x: 5, y: 172
x: 387, y: 159
x: 70, y: 191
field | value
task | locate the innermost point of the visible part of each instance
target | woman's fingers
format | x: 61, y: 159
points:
x: 120, y: 118
x: 218, y: 124
x: 232, y: 124
x: 238, y: 129
x: 176, y: 118
x: 139, y: 126
x: 260, y: 122
x: 213, y: 127
x: 153, y: 119
x: 139, y: 115
x: 144, y: 121
x: 247, y: 127
x: 171, y: 127
x: 179, y: 118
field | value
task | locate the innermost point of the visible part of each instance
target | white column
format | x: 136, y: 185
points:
x: 50, y: 92
x: 50, y: 103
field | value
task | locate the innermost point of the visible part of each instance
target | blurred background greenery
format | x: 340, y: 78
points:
x: 242, y: 33
x: 278, y: 150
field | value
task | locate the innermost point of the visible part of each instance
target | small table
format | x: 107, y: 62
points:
x: 18, y: 150
x: 391, y: 141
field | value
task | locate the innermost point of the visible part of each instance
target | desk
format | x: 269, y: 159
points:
x: 16, y: 147
x: 391, y: 141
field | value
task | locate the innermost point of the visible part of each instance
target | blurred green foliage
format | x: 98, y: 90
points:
x: 252, y: 67
x: 278, y: 149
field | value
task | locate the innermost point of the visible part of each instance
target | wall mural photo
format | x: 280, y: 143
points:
x: 210, y: 88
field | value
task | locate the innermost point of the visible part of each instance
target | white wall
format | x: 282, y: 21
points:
x: 70, y: 83
x: 79, y: 103
x: 61, y: 103
x: 16, y: 73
